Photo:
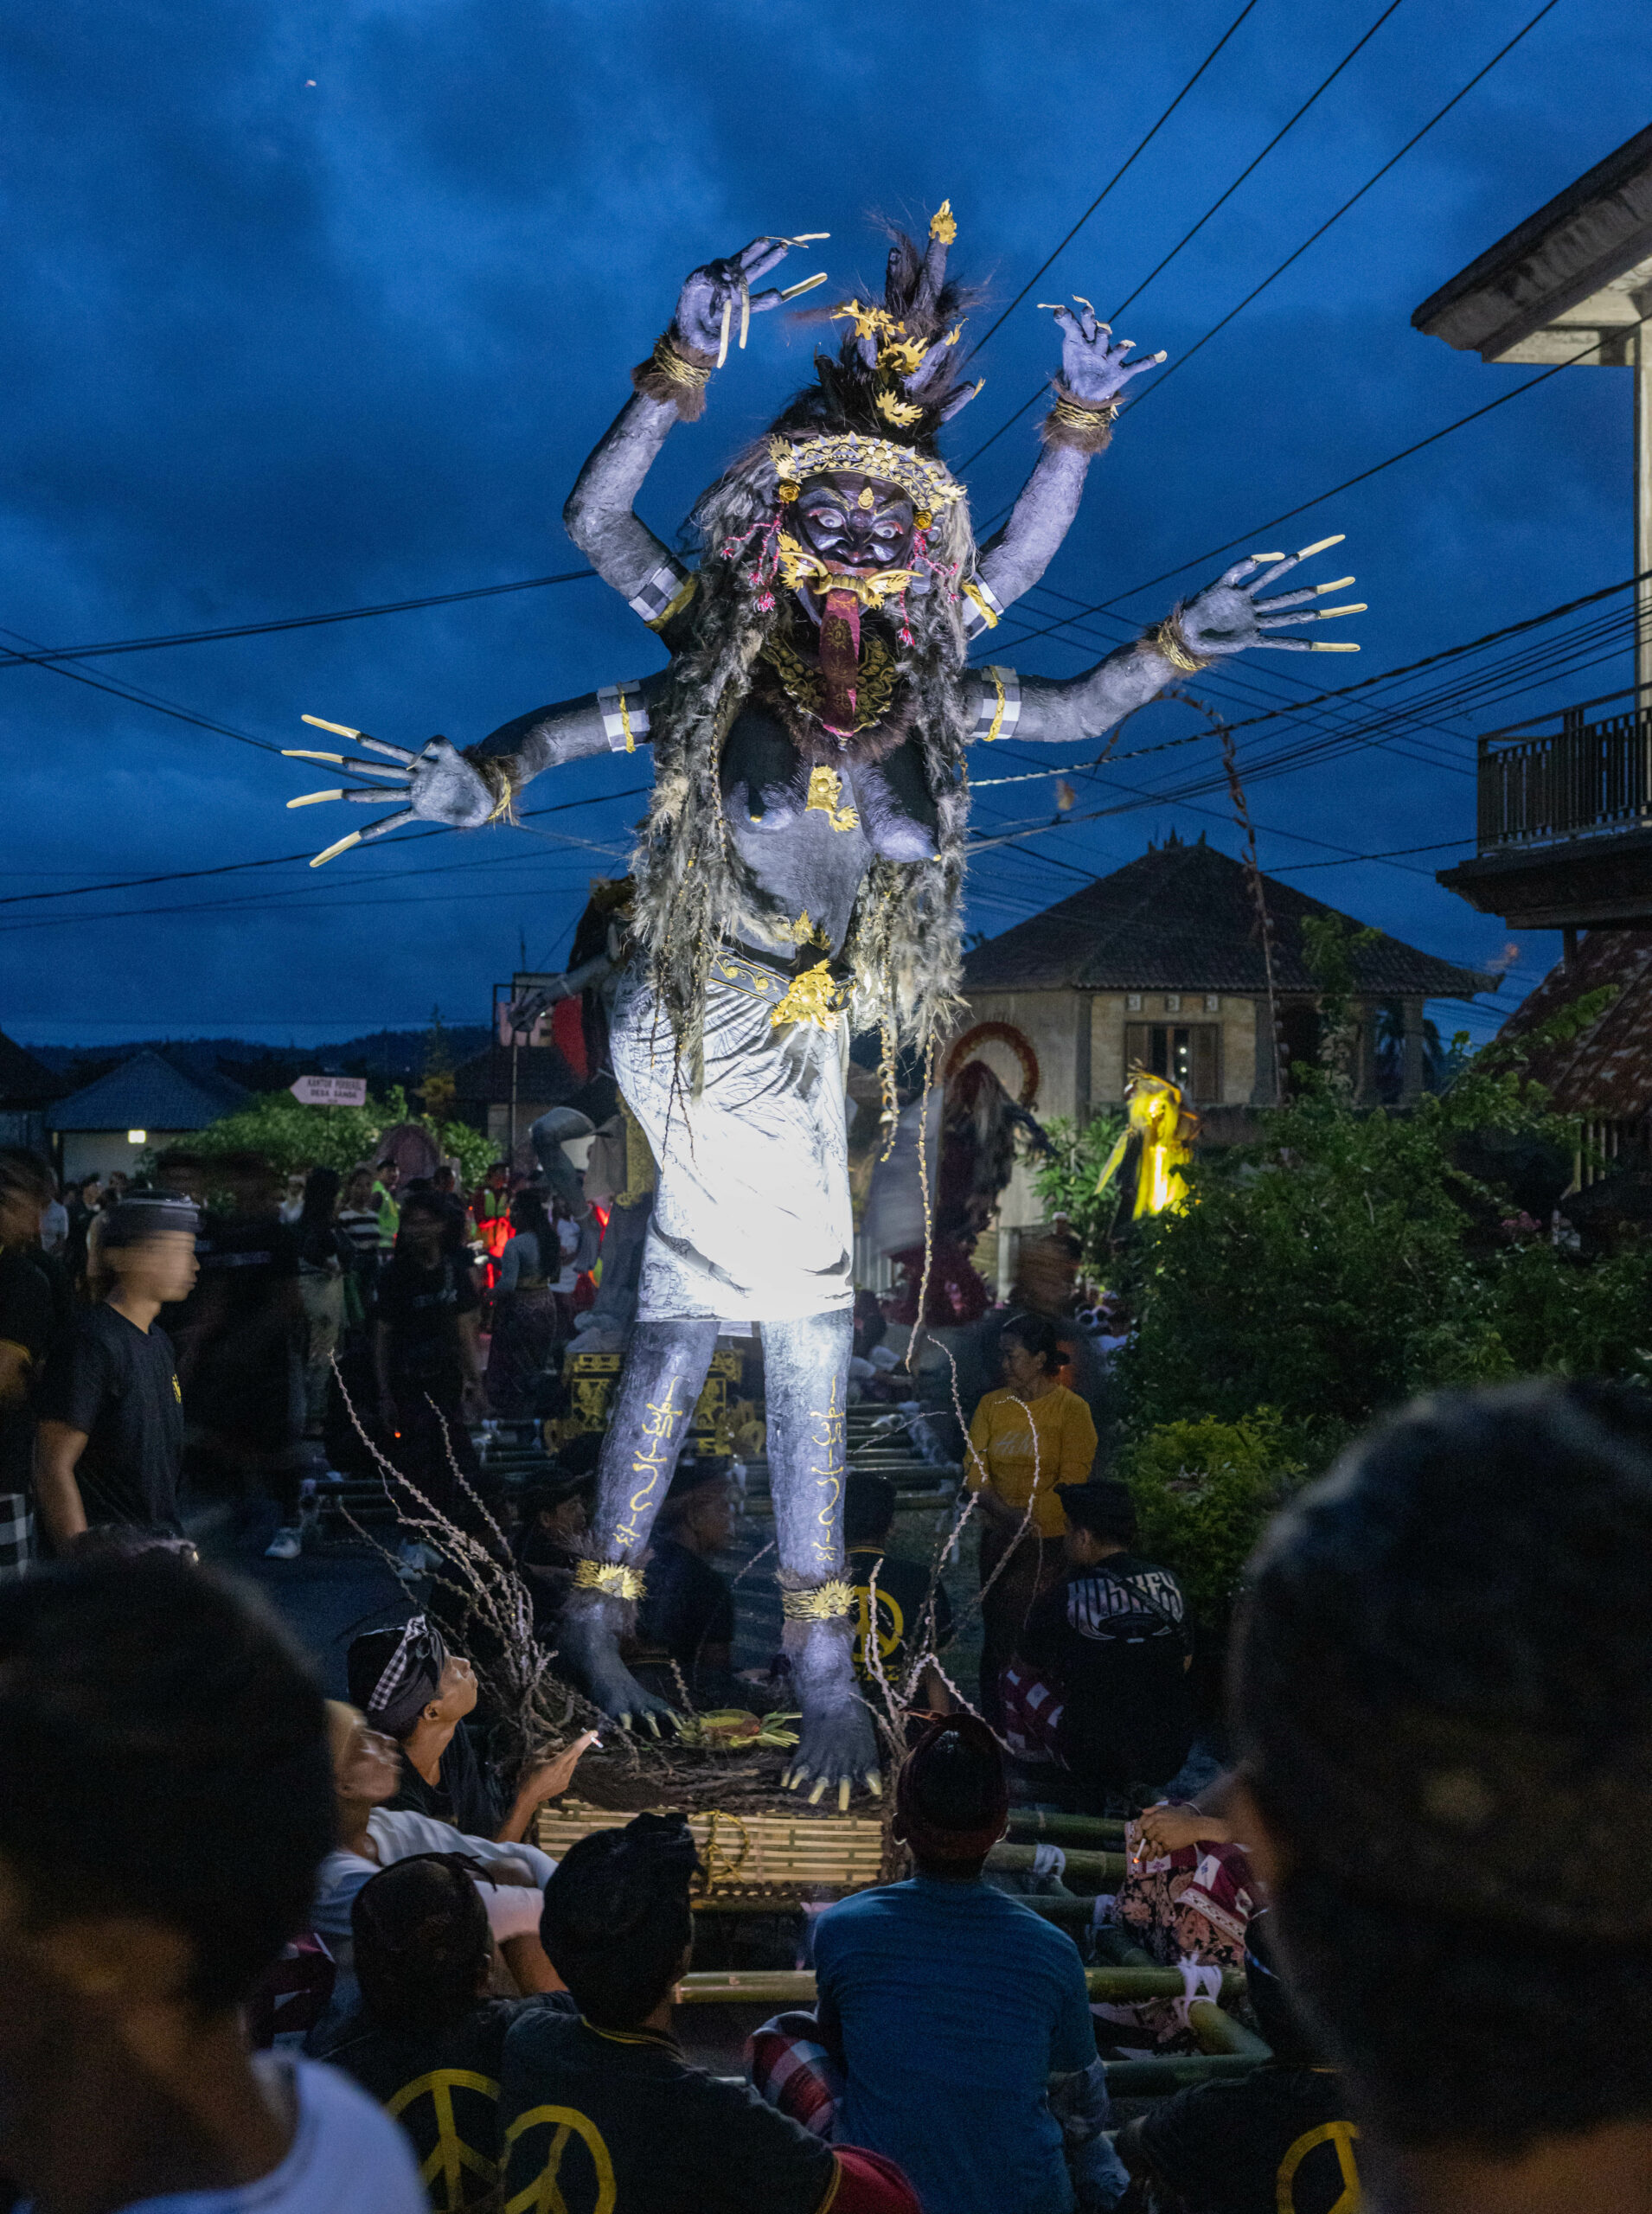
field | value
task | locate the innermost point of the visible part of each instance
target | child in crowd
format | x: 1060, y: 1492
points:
x: 601, y: 2109
x: 427, y: 2038
x: 409, y: 1685
x: 906, y: 1590
x: 166, y: 1806
x: 109, y: 1447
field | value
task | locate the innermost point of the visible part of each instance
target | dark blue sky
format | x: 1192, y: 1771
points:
x: 273, y: 346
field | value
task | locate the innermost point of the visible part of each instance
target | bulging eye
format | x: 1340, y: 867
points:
x: 826, y: 518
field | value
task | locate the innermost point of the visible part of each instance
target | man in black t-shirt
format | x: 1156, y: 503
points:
x: 111, y: 1436
x: 427, y: 2040
x: 1113, y: 1638
x: 601, y: 2110
x: 903, y: 1589
x: 1279, y: 2139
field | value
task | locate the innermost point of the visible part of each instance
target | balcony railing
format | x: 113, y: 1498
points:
x: 1577, y: 782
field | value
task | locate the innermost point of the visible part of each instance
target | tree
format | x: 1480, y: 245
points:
x: 1066, y: 1180
x: 1348, y: 1261
x: 294, y: 1138
x: 437, y: 1091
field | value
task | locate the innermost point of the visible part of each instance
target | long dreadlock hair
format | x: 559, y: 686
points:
x: 692, y: 887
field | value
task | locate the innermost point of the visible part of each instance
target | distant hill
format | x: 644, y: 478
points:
x: 385, y: 1057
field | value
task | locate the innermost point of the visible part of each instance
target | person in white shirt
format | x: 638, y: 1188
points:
x: 168, y: 1801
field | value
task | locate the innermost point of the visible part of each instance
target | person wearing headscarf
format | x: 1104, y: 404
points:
x: 605, y: 2106
x: 409, y: 1685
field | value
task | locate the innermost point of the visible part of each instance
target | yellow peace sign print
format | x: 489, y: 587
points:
x: 892, y: 1623
x: 1339, y: 2135
x: 544, y: 2195
x: 445, y: 2165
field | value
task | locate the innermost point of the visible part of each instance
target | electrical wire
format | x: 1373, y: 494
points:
x: 46, y: 655
x: 1129, y: 162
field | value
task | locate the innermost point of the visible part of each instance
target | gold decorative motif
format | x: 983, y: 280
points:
x: 826, y: 1602
x: 1078, y: 415
x: 973, y: 591
x: 788, y: 493
x: 874, y: 683
x: 927, y: 482
x: 1166, y: 639
x: 869, y: 498
x: 799, y: 567
x: 828, y: 1477
x: 903, y: 413
x: 650, y: 1461
x: 998, y: 712
x: 825, y: 790
x: 676, y: 370
x: 802, y: 931
x: 813, y: 997
x: 943, y: 224
x: 610, y: 1576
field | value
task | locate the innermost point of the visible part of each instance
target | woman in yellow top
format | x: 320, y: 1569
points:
x: 1026, y: 1441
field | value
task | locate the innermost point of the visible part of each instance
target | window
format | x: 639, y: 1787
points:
x: 1189, y: 1053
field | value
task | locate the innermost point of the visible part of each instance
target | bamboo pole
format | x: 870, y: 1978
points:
x: 1179, y: 2071
x: 1097, y: 1830
x: 796, y: 1988
x: 1102, y: 1869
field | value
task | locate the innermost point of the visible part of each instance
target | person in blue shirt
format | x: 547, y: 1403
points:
x: 950, y: 2007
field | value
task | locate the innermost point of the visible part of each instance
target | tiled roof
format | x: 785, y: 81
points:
x: 1606, y: 1069
x: 25, y: 1082
x: 1180, y: 918
x: 146, y: 1093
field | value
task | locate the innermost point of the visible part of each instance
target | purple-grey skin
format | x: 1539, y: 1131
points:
x: 805, y: 860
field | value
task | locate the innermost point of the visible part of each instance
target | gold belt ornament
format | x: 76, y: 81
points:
x: 815, y: 996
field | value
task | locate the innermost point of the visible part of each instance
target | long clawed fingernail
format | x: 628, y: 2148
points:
x: 1320, y: 544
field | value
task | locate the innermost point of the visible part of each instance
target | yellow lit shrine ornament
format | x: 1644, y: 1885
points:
x: 1166, y: 1129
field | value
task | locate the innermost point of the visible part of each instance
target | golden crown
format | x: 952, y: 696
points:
x: 929, y: 485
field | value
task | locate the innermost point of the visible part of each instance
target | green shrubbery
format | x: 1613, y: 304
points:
x: 1204, y: 1489
x: 292, y: 1137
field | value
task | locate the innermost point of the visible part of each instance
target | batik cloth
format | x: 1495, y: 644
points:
x: 752, y: 1217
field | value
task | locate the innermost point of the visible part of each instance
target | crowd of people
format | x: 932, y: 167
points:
x: 234, y: 1932
x: 209, y: 1332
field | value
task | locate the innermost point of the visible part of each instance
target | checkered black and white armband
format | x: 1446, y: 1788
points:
x: 997, y: 704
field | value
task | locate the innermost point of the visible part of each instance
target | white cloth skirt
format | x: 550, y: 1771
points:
x: 752, y: 1219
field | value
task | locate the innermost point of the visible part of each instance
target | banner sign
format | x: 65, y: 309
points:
x: 330, y: 1091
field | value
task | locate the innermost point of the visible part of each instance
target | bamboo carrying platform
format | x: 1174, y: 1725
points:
x: 755, y: 1854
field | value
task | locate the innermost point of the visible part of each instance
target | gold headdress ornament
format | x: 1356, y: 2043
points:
x: 928, y: 484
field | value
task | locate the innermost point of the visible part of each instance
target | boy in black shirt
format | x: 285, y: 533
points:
x: 1280, y: 2137
x: 903, y: 1591
x: 1113, y: 1638
x: 111, y: 1434
x: 427, y: 2040
x: 601, y: 2110
x: 688, y: 1610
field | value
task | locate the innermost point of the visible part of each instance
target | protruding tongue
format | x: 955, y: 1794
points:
x: 839, y: 660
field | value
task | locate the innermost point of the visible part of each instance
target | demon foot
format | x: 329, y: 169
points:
x: 837, y: 1747
x: 590, y: 1644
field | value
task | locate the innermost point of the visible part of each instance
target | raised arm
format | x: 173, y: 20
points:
x: 670, y: 387
x: 1094, y: 373
x: 1223, y: 620
x: 465, y: 791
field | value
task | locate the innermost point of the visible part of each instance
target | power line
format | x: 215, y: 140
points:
x: 1182, y: 360
x: 1258, y: 530
x: 1188, y: 236
x: 46, y: 656
x: 1128, y: 162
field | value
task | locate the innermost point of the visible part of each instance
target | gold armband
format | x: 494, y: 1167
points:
x: 611, y: 1577
x: 1084, y: 426
x: 821, y: 1603
x: 1165, y: 638
x: 670, y: 374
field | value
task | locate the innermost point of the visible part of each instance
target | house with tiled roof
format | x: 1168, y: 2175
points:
x: 1603, y: 1075
x: 1161, y: 963
x: 144, y: 1105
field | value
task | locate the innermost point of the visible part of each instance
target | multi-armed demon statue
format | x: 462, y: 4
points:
x: 800, y: 868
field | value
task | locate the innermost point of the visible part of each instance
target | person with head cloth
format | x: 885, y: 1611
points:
x: 410, y: 1686
x: 1111, y: 1642
x: 109, y: 1444
x: 1442, y: 1702
x: 600, y: 2111
x: 945, y: 2008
